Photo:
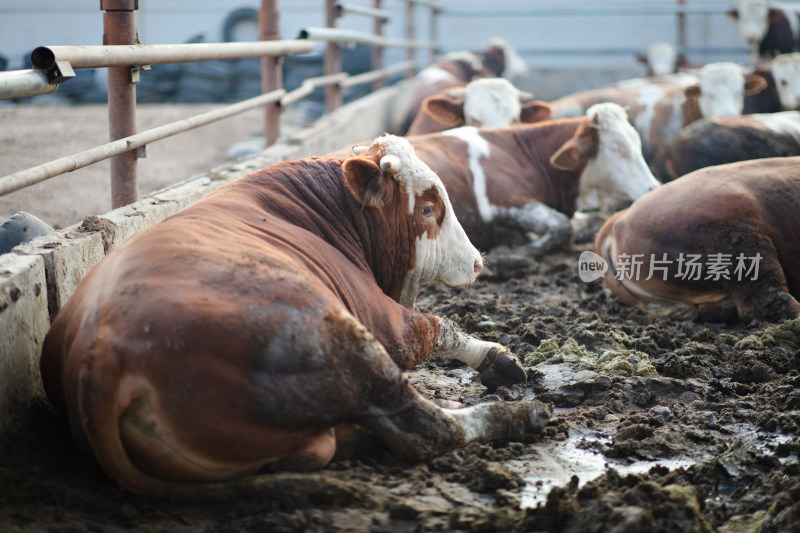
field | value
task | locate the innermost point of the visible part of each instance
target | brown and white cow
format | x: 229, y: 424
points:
x: 717, y: 141
x: 769, y: 28
x: 487, y: 102
x: 659, y: 108
x: 511, y: 182
x: 240, y: 332
x: 501, y: 59
x: 719, y: 242
x: 453, y: 70
x: 662, y: 59
x: 782, y: 92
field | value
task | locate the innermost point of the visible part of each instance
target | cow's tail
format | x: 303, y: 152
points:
x: 605, y: 245
x: 103, y: 396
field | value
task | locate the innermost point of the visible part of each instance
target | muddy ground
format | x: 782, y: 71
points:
x: 658, y: 426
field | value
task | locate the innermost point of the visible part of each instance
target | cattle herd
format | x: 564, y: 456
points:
x: 248, y: 331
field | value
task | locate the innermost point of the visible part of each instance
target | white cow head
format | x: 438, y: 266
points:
x: 388, y: 176
x: 610, y: 151
x: 753, y: 17
x: 514, y: 67
x: 486, y: 102
x: 721, y: 88
x: 785, y: 70
x: 661, y: 59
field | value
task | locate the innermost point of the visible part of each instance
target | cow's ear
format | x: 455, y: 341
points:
x: 535, y: 111
x: 754, y: 84
x: 733, y: 13
x: 774, y: 16
x: 367, y: 182
x: 446, y: 109
x: 571, y: 156
x: 574, y: 153
x: 692, y: 91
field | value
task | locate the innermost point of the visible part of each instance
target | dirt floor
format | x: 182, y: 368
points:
x: 34, y: 134
x: 658, y: 426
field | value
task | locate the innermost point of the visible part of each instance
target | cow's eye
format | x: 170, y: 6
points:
x: 427, y: 210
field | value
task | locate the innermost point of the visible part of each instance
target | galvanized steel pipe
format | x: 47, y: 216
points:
x: 22, y: 83
x: 584, y: 10
x: 56, y: 167
x: 308, y: 86
x: 342, y: 35
x: 373, y: 75
x: 377, y: 13
x: 45, y: 57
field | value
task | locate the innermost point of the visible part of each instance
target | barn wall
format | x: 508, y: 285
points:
x: 541, y: 39
x: 37, y: 278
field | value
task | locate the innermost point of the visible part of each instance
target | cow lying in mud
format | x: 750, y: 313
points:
x: 240, y: 332
x: 487, y: 102
x: 531, y: 179
x: 717, y: 243
x: 717, y: 141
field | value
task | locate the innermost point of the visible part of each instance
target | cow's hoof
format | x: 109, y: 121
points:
x: 501, y: 368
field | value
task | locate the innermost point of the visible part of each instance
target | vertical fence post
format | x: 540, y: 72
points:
x: 377, y: 51
x: 681, y: 27
x: 434, y: 52
x: 410, y: 53
x: 332, y: 60
x: 271, y: 75
x: 119, y: 27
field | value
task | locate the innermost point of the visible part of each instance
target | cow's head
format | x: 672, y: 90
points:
x: 661, y: 59
x: 389, y: 177
x: 754, y: 18
x: 785, y: 70
x: 500, y: 59
x: 609, y: 150
x: 721, y: 88
x: 463, y: 65
x: 487, y: 102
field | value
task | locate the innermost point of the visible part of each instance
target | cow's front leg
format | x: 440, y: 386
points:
x: 553, y: 227
x: 496, y: 364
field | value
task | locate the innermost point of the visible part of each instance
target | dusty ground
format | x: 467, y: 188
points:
x: 659, y: 426
x: 32, y: 135
x: 663, y: 426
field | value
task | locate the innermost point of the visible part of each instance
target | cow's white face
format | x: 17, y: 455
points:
x: 491, y: 103
x: 753, y: 18
x: 444, y: 253
x: 721, y: 90
x: 618, y: 171
x: 515, y: 67
x: 786, y: 72
x: 662, y: 58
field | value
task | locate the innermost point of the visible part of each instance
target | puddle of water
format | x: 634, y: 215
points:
x: 556, y: 375
x: 555, y: 464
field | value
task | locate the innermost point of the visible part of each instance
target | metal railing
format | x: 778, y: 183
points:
x: 125, y: 60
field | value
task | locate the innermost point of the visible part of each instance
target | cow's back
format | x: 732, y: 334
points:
x: 719, y: 141
x: 723, y: 206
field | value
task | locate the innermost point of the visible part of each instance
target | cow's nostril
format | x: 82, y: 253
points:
x: 477, y: 267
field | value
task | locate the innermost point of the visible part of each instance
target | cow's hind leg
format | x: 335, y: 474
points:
x: 765, y: 295
x: 553, y: 227
x: 418, y: 428
x: 381, y: 399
